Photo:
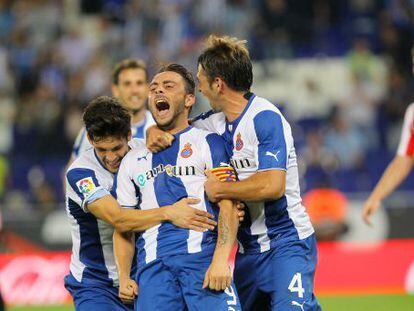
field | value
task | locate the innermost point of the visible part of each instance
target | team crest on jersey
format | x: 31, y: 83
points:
x: 187, y: 151
x: 86, y: 185
x: 239, y: 142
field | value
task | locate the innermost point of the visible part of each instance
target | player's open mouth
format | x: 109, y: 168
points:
x: 162, y: 106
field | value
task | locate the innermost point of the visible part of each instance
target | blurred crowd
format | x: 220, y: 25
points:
x: 56, y: 55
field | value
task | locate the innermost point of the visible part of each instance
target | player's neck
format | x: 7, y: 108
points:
x: 137, y: 116
x: 233, y: 105
x: 180, y: 124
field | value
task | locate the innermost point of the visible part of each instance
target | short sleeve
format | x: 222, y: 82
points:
x: 210, y: 121
x: 85, y: 184
x: 124, y: 189
x: 406, y: 145
x: 272, y: 136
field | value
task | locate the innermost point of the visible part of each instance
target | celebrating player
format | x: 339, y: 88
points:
x: 275, y: 266
x: 178, y: 269
x: 93, y: 212
x: 130, y: 87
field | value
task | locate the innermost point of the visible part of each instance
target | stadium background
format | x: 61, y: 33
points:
x: 340, y: 70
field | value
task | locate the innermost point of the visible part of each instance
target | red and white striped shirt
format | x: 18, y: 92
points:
x: 406, y: 146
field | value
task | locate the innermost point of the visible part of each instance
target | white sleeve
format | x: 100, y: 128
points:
x: 214, y: 122
x: 125, y: 188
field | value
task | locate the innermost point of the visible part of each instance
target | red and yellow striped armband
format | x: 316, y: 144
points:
x: 224, y: 173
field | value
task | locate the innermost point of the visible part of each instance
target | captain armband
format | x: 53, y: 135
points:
x: 224, y: 173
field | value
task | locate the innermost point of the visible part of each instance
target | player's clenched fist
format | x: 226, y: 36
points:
x: 157, y: 139
x: 218, y: 276
x: 128, y: 290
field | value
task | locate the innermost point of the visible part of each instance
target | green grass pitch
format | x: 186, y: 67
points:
x: 334, y: 303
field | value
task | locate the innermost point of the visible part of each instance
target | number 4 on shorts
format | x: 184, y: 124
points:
x: 296, y: 285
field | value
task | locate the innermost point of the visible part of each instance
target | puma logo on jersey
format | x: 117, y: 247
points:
x: 274, y: 155
x: 295, y: 303
x: 144, y: 157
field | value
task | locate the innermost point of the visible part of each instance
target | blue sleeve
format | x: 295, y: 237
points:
x: 85, y: 184
x: 272, y: 143
x: 219, y: 153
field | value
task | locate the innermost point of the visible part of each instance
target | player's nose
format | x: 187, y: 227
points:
x: 159, y: 89
x: 111, y: 156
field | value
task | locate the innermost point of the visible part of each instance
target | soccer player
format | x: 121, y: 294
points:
x: 275, y: 265
x: 130, y: 86
x: 178, y: 269
x: 397, y: 170
x: 93, y: 212
x: 277, y: 251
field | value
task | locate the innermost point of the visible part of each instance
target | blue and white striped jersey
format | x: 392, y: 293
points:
x: 87, y: 180
x: 148, y: 181
x: 138, y: 131
x: 259, y: 140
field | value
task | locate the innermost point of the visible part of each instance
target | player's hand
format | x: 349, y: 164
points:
x: 158, y: 140
x: 370, y: 206
x: 184, y: 216
x: 212, y: 186
x: 218, y: 276
x: 128, y: 290
x: 240, y: 210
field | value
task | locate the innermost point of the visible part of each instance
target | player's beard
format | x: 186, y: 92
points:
x: 170, y: 124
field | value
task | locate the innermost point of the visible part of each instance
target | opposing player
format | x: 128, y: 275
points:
x: 130, y: 87
x: 397, y: 170
x: 178, y: 269
x: 93, y: 212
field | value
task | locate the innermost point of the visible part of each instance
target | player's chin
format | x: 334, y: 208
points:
x: 113, y: 168
x: 163, y: 122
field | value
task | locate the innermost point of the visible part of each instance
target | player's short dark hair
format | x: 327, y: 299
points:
x: 128, y: 63
x: 183, y: 72
x: 227, y: 58
x: 105, y: 117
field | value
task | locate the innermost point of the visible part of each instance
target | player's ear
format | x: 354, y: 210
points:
x: 219, y: 84
x: 189, y: 100
x: 129, y: 135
